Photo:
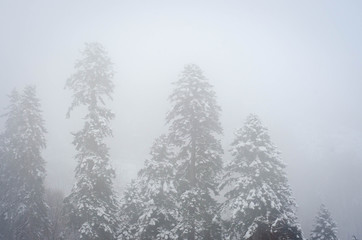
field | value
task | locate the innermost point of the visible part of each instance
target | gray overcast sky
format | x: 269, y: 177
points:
x: 297, y: 64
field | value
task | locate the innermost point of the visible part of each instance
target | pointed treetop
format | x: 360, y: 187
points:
x: 194, y: 103
x: 325, y: 227
x: 258, y: 197
x: 22, y: 170
x: 92, y: 79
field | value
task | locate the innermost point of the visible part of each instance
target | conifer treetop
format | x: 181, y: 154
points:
x: 91, y: 206
x: 22, y: 169
x: 148, y: 206
x: 325, y: 228
x: 92, y: 80
x: 194, y: 103
x: 258, y: 196
x: 194, y: 127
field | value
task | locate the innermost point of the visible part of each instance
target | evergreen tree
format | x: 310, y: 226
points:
x: 258, y: 198
x: 157, y: 182
x: 92, y: 205
x: 149, y: 203
x: 23, y: 210
x: 325, y: 227
x: 194, y: 127
x: 131, y: 208
x: 8, y: 177
x: 8, y: 199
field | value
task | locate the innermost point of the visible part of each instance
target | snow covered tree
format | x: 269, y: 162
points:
x: 157, y: 182
x: 131, y: 208
x: 91, y: 206
x: 258, y: 201
x: 325, y: 227
x: 23, y: 209
x: 8, y: 198
x: 194, y: 127
x: 149, y: 203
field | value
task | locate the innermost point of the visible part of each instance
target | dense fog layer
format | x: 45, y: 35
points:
x: 297, y: 65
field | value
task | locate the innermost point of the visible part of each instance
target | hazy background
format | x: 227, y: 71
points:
x: 297, y: 64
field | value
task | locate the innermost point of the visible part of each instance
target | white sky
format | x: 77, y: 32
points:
x: 297, y: 64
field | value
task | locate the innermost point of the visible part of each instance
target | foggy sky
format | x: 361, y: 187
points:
x: 297, y: 64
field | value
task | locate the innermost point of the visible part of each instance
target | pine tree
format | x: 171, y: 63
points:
x: 149, y: 203
x: 194, y: 127
x: 131, y: 208
x: 8, y: 175
x: 23, y: 209
x: 157, y: 181
x: 258, y: 198
x: 325, y: 227
x: 92, y: 205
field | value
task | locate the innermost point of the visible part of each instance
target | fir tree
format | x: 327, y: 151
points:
x: 194, y: 127
x: 258, y: 198
x: 23, y: 209
x: 325, y: 227
x: 8, y: 170
x: 131, y: 208
x: 92, y: 205
x: 149, y: 203
x: 157, y: 181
